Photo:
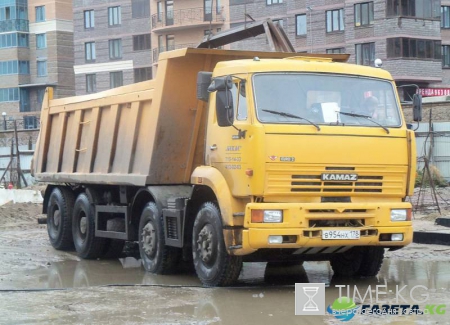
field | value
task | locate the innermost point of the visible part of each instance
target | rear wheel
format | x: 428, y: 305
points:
x: 156, y: 256
x: 214, y: 266
x: 83, y: 229
x: 59, y: 218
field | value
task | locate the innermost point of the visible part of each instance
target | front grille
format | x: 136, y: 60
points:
x: 313, y: 183
x: 304, y: 179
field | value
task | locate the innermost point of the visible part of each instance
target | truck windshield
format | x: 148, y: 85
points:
x: 321, y: 98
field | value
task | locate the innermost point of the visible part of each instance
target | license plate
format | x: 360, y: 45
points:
x: 340, y: 234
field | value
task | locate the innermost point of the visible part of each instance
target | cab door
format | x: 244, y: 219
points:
x: 227, y: 148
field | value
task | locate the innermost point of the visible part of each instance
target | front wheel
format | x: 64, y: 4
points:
x: 214, y: 266
x: 358, y: 261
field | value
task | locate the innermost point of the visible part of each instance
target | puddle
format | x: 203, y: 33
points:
x: 119, y: 291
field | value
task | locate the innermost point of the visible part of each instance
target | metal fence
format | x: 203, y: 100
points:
x: 23, y: 123
x: 434, y: 143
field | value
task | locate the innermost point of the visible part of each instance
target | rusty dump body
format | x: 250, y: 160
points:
x: 141, y: 134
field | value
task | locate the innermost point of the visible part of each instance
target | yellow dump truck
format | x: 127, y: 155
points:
x: 232, y: 156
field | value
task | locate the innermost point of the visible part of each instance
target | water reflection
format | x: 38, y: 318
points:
x: 264, y: 294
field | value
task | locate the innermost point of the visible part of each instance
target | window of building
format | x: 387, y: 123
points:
x: 207, y: 10
x: 300, y: 25
x: 337, y: 50
x: 446, y: 56
x: 24, y: 100
x: 426, y: 9
x: 142, y: 74
x: 445, y: 17
x: 140, y: 8
x: 42, y: 68
x: 8, y: 67
x: 22, y: 40
x: 115, y: 79
x: 402, y: 47
x: 364, y: 14
x: 24, y: 67
x: 335, y: 20
x: 89, y: 51
x: 365, y: 53
x: 169, y: 12
x: 279, y: 22
x: 91, y: 83
x: 41, y: 41
x: 115, y: 49
x: 273, y: 2
x: 89, y: 19
x: 159, y: 10
x: 218, y: 7
x: 114, y: 16
x: 40, y: 13
x: 141, y: 42
x: 9, y: 95
x: 170, y: 42
x: 40, y: 97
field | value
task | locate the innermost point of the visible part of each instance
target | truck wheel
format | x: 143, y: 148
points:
x: 83, y: 229
x: 347, y: 264
x: 156, y: 256
x: 212, y: 263
x: 59, y: 218
x: 371, y: 261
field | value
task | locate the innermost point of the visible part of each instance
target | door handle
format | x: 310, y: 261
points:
x: 213, y: 147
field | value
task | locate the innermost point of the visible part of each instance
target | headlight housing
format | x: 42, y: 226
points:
x: 267, y: 216
x: 401, y: 215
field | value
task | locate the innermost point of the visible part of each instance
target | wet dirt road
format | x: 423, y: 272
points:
x: 39, y: 285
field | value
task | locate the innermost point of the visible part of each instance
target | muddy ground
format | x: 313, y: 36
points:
x: 39, y: 285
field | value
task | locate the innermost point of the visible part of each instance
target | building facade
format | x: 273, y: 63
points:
x: 405, y: 34
x: 112, y: 43
x: 118, y: 42
x: 184, y: 23
x: 36, y: 51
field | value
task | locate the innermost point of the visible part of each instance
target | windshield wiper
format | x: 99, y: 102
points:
x: 366, y: 117
x: 291, y: 116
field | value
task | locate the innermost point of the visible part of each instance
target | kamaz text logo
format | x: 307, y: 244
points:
x: 340, y: 177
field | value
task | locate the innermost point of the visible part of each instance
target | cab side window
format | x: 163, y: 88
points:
x: 241, y: 96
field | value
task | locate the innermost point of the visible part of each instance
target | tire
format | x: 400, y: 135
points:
x: 59, y: 218
x: 156, y: 257
x: 347, y: 264
x: 213, y: 265
x: 371, y: 261
x: 83, y: 229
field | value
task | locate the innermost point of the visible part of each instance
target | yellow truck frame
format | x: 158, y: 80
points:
x: 155, y: 163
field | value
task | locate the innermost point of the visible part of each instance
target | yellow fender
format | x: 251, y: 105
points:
x: 212, y: 178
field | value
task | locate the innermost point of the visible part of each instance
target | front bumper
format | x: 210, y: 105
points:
x: 300, y: 230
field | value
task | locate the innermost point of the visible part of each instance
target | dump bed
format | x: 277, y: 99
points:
x: 146, y: 133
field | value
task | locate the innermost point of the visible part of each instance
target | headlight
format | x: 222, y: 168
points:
x: 267, y: 216
x: 401, y: 215
x: 273, y: 216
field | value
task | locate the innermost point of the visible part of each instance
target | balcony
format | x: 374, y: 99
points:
x: 161, y: 49
x: 13, y: 25
x: 186, y: 18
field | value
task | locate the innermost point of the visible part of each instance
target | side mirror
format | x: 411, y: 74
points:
x: 203, y: 82
x: 417, y: 107
x: 221, y: 83
x: 224, y: 108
